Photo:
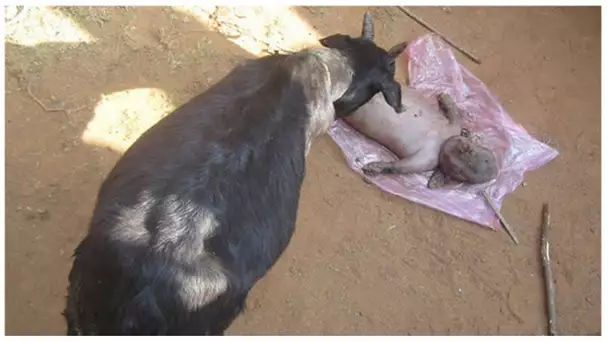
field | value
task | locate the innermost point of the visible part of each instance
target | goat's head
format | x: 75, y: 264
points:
x: 373, y: 67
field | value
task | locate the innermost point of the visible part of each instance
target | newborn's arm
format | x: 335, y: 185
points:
x: 449, y: 108
x: 420, y: 162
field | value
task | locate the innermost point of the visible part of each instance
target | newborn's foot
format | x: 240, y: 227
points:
x: 437, y: 180
x: 375, y: 168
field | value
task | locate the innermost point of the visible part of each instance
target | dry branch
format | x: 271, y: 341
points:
x: 549, y: 284
x: 500, y: 217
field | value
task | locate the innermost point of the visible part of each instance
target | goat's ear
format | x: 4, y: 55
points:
x: 397, y: 50
x: 336, y: 41
x: 367, y: 31
x: 437, y: 180
x: 391, y: 91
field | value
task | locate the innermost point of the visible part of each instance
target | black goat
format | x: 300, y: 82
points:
x: 202, y: 205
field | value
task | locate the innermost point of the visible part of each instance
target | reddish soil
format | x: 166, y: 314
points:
x: 345, y: 271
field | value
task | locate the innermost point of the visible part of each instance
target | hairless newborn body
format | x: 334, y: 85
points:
x: 425, y: 139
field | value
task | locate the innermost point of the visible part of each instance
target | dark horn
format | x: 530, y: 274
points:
x: 367, y: 32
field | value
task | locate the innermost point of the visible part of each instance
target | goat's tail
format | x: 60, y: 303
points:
x: 142, y: 315
x: 70, y: 318
x: 70, y: 313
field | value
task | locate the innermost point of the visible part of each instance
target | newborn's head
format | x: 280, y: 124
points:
x: 462, y: 160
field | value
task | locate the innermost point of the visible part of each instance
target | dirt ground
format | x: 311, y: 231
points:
x: 345, y: 271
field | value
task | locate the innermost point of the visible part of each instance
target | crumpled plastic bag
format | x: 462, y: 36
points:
x: 433, y: 69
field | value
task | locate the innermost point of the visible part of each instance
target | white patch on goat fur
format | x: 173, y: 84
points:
x: 195, y: 288
x: 183, y: 228
x: 131, y: 225
x: 199, y: 289
x: 256, y: 29
x: 187, y: 227
x: 38, y: 25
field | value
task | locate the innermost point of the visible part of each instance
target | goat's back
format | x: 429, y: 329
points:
x: 198, y: 209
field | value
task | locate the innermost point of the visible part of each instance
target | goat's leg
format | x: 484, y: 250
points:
x: 449, y: 108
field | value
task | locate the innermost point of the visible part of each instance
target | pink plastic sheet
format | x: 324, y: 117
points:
x: 432, y: 69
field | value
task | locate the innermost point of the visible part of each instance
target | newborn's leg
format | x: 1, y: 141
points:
x: 417, y: 163
x: 449, y: 108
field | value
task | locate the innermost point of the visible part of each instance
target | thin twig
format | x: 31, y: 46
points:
x: 67, y: 112
x: 29, y: 91
x: 549, y: 285
x: 432, y: 29
x: 500, y: 217
x: 75, y: 110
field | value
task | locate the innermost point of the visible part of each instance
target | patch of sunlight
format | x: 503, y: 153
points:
x: 256, y: 29
x: 37, y: 25
x: 121, y: 117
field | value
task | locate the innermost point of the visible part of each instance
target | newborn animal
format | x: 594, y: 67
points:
x: 424, y: 139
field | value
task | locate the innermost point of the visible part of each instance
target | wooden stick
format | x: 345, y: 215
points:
x: 432, y: 29
x: 48, y: 109
x: 67, y: 112
x: 500, y: 217
x: 549, y: 284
